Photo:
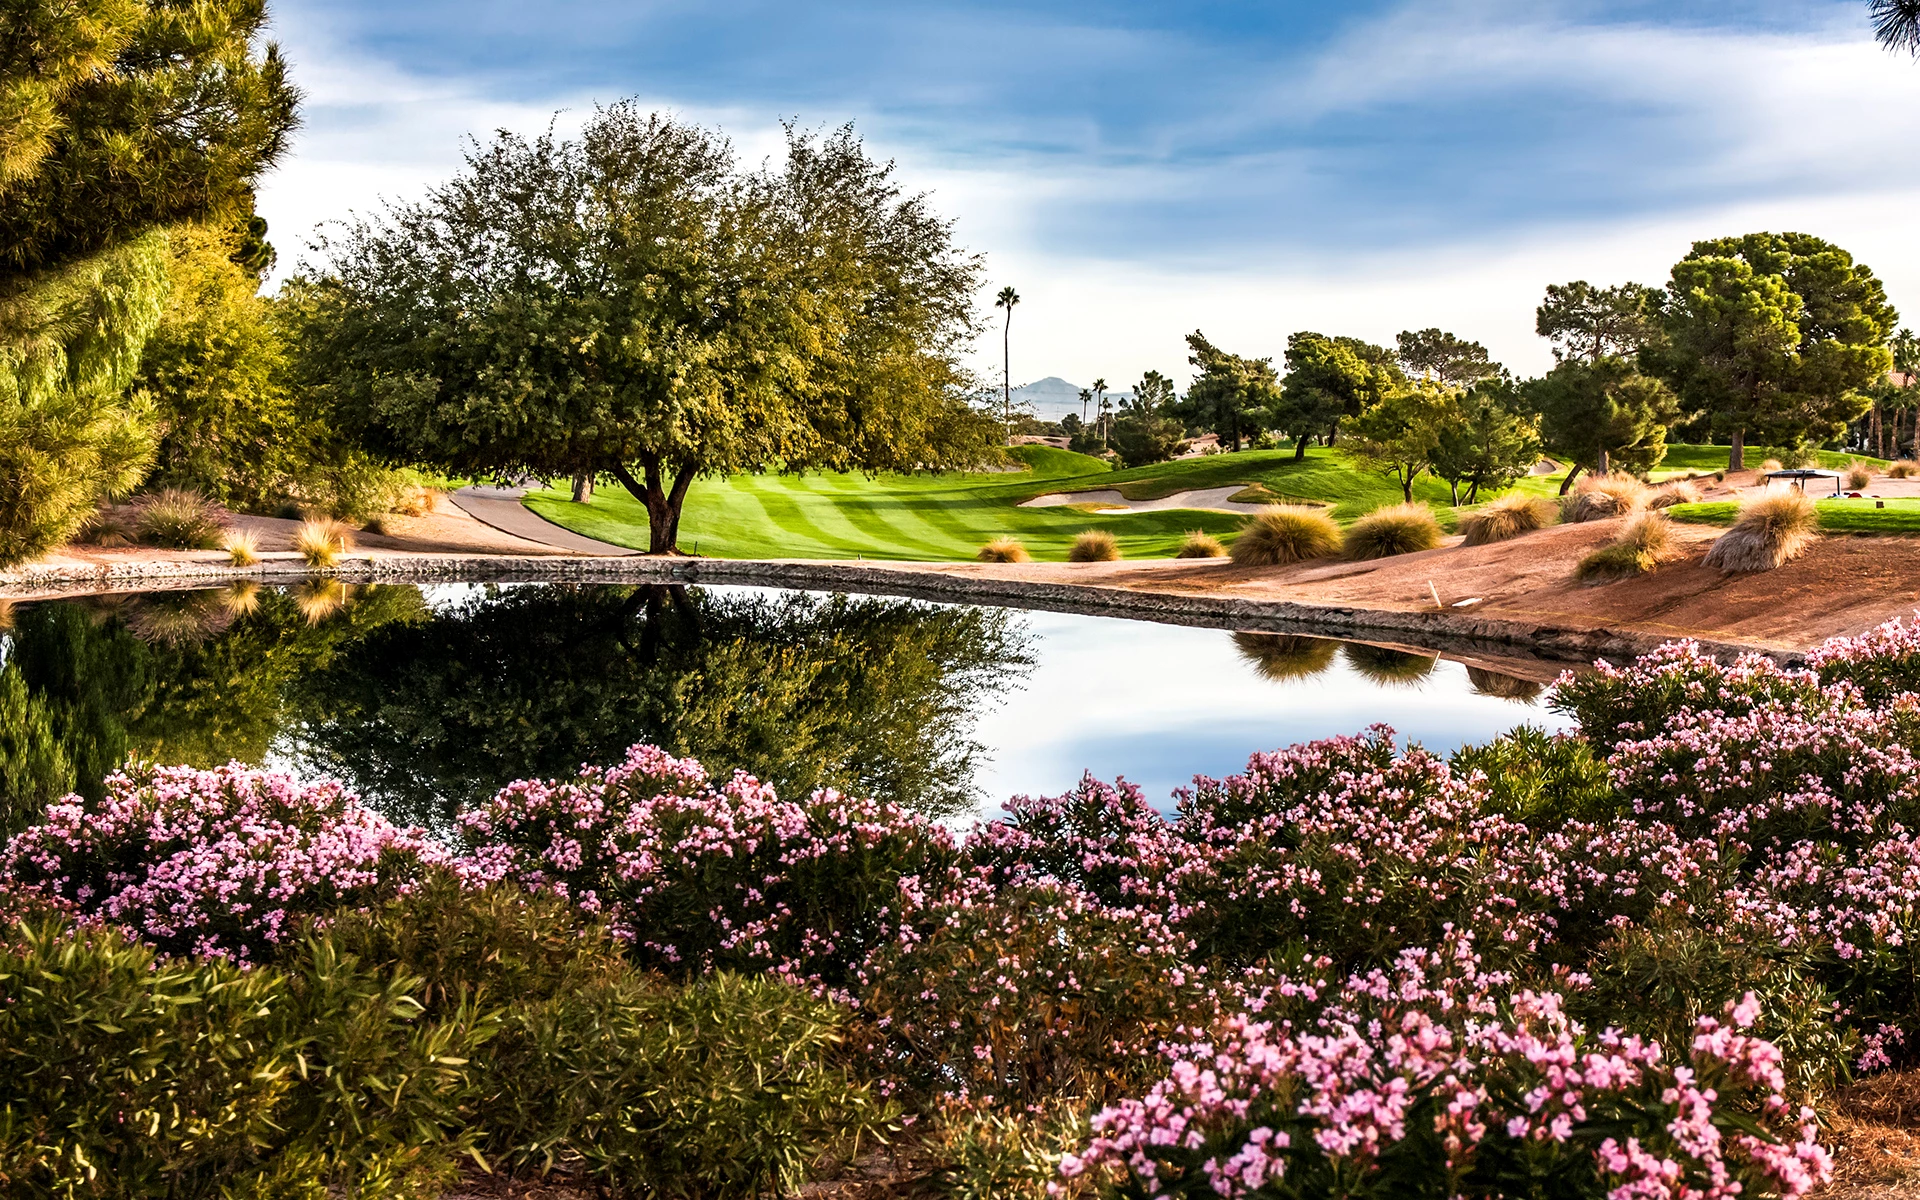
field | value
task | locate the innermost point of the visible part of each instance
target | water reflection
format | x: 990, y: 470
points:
x: 424, y: 701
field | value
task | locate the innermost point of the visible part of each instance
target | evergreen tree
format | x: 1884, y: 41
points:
x: 1492, y: 446
x: 1331, y: 379
x: 1144, y: 431
x: 1230, y: 395
x: 1775, y: 336
x: 1451, y: 361
x: 1603, y: 416
x: 1586, y: 323
x: 1398, y: 435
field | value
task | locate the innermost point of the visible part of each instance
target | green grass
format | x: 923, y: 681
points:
x: 1708, y: 459
x: 949, y: 517
x: 1901, y: 515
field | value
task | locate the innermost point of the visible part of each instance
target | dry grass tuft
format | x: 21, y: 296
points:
x: 242, y: 547
x: 1644, y: 544
x: 1004, y: 550
x: 1598, y: 497
x: 1094, y: 545
x: 1508, y: 517
x: 1284, y: 656
x: 1773, y: 464
x: 178, y: 618
x: 1201, y: 545
x: 1874, y: 1129
x: 1904, y: 468
x: 241, y: 598
x: 318, y: 599
x: 1678, y: 491
x: 179, y: 519
x: 1285, y: 534
x: 1396, y: 529
x: 1502, y: 686
x: 322, y: 541
x: 1774, y: 528
x: 1859, y: 474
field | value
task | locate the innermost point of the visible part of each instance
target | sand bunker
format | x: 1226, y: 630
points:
x: 1214, y: 499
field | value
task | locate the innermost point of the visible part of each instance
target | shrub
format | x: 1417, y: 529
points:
x: 1772, y: 464
x: 1284, y: 656
x: 1282, y: 534
x: 992, y: 1153
x: 1859, y: 474
x: 1508, y: 517
x: 1199, y: 544
x: 1774, y: 527
x: 1398, y: 529
x: 1004, y: 550
x: 1531, y: 775
x: 1904, y: 468
x: 696, y: 876
x: 1675, y: 491
x: 725, y: 1090
x: 179, y: 519
x: 242, y: 547
x: 1094, y: 545
x: 123, y: 1074
x: 1883, y: 663
x: 224, y: 862
x: 1468, y: 1095
x: 1598, y: 497
x: 1643, y: 545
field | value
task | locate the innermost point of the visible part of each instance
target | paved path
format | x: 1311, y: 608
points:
x: 501, y: 508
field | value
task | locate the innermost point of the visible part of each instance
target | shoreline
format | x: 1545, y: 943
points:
x: 1502, y: 642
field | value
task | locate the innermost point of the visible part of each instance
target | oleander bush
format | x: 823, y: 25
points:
x: 1620, y: 961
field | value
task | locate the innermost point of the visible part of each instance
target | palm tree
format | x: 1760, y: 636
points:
x: 1007, y: 299
x: 1897, y: 24
x: 1100, y: 394
x: 1085, y: 397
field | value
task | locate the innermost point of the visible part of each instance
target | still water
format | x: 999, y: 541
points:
x: 426, y: 699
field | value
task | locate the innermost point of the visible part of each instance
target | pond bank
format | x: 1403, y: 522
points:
x: 1526, y: 606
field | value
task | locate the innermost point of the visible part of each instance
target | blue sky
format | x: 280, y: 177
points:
x: 1138, y: 170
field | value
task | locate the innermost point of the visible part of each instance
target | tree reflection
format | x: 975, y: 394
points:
x: 871, y: 696
x: 1285, y: 656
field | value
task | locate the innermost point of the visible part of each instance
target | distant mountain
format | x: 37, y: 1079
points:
x: 1053, y: 397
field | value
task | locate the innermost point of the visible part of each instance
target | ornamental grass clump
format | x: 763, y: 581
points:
x: 1285, y: 656
x: 1094, y: 545
x: 1675, y: 491
x: 1004, y: 550
x: 1904, y: 468
x: 1285, y: 533
x: 242, y: 547
x: 1859, y: 475
x: 1645, y: 544
x: 1199, y: 544
x: 322, y: 542
x: 179, y: 519
x: 1774, y: 527
x: 1397, y: 529
x: 1508, y: 517
x: 1598, y: 497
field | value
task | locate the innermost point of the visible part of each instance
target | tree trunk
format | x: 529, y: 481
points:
x: 1737, y: 453
x: 1605, y: 463
x: 1568, y: 481
x: 1300, y: 446
x: 583, y: 488
x: 1452, y: 483
x: 663, y: 513
x: 1406, y: 486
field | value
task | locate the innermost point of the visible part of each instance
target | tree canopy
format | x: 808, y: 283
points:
x: 629, y: 303
x: 1144, y: 431
x: 1330, y: 379
x: 1230, y: 395
x: 1896, y: 23
x: 1774, y: 336
x: 1450, y: 361
x: 1586, y: 323
x: 1493, y: 444
x: 1398, y: 435
x: 117, y: 116
x: 1603, y: 416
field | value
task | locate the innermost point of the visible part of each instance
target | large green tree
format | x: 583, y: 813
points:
x: 1331, y: 379
x: 1493, y: 444
x: 1603, y: 416
x: 1144, y: 431
x: 630, y: 303
x: 1446, y: 358
x: 1398, y: 435
x: 1587, y: 323
x: 1230, y: 395
x: 1774, y: 336
x: 117, y: 116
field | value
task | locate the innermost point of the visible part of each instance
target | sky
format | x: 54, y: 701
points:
x: 1138, y: 171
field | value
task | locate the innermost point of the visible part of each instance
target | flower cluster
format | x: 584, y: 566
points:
x: 1419, y: 1074
x: 220, y: 863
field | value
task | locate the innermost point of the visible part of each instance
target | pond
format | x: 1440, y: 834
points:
x: 426, y: 699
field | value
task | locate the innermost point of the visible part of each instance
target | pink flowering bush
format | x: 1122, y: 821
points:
x: 697, y: 876
x: 1425, y: 1079
x: 221, y: 863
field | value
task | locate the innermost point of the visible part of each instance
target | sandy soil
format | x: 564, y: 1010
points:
x: 1214, y: 499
